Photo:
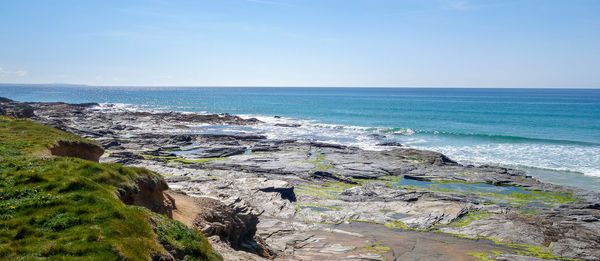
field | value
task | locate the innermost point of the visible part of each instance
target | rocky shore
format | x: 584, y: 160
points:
x: 258, y: 198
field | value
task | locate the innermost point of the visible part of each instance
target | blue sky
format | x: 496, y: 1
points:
x: 413, y: 43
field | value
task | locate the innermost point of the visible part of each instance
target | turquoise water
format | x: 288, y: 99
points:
x: 552, y: 133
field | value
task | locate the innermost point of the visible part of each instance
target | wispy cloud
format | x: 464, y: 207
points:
x: 12, y: 73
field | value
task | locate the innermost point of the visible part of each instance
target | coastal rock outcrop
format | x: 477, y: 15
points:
x: 563, y: 236
x: 228, y: 220
x: 12, y: 109
x: 311, y: 200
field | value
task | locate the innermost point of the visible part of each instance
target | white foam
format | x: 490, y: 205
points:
x: 571, y: 158
x: 124, y: 107
x: 565, y: 158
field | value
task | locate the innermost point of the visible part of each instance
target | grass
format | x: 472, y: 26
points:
x: 67, y: 208
x: 182, y: 242
x: 38, y: 137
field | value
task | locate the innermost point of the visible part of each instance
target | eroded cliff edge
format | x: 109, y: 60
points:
x: 56, y: 202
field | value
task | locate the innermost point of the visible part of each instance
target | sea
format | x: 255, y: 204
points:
x: 552, y: 134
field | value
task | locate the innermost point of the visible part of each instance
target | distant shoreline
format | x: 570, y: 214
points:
x: 257, y: 86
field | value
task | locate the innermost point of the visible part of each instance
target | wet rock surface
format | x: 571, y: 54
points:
x: 298, y: 195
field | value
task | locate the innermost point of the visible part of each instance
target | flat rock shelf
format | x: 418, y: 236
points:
x: 316, y: 200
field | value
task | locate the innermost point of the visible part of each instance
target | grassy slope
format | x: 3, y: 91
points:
x: 66, y: 208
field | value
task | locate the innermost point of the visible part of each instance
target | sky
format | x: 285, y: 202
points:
x: 383, y: 43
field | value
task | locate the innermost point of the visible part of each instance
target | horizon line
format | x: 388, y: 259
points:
x: 283, y: 86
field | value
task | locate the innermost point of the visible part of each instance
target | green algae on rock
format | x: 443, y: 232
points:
x: 327, y: 190
x: 568, y: 227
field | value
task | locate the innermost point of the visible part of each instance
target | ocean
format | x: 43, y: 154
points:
x: 553, y: 134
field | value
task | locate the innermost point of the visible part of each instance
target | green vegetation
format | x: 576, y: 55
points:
x: 554, y: 197
x: 396, y: 225
x: 390, y: 180
x: 380, y: 248
x: 364, y: 181
x: 413, y: 158
x: 525, y: 199
x: 393, y: 224
x: 469, y: 218
x: 38, y: 137
x: 482, y: 256
x: 520, y: 249
x: 320, y: 162
x: 400, y: 225
x: 67, y: 208
x: 325, y: 219
x: 532, y: 197
x: 377, y: 247
x: 192, y: 161
x: 176, y: 159
x: 182, y: 242
x: 365, y: 221
x: 161, y: 158
x: 329, y: 190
